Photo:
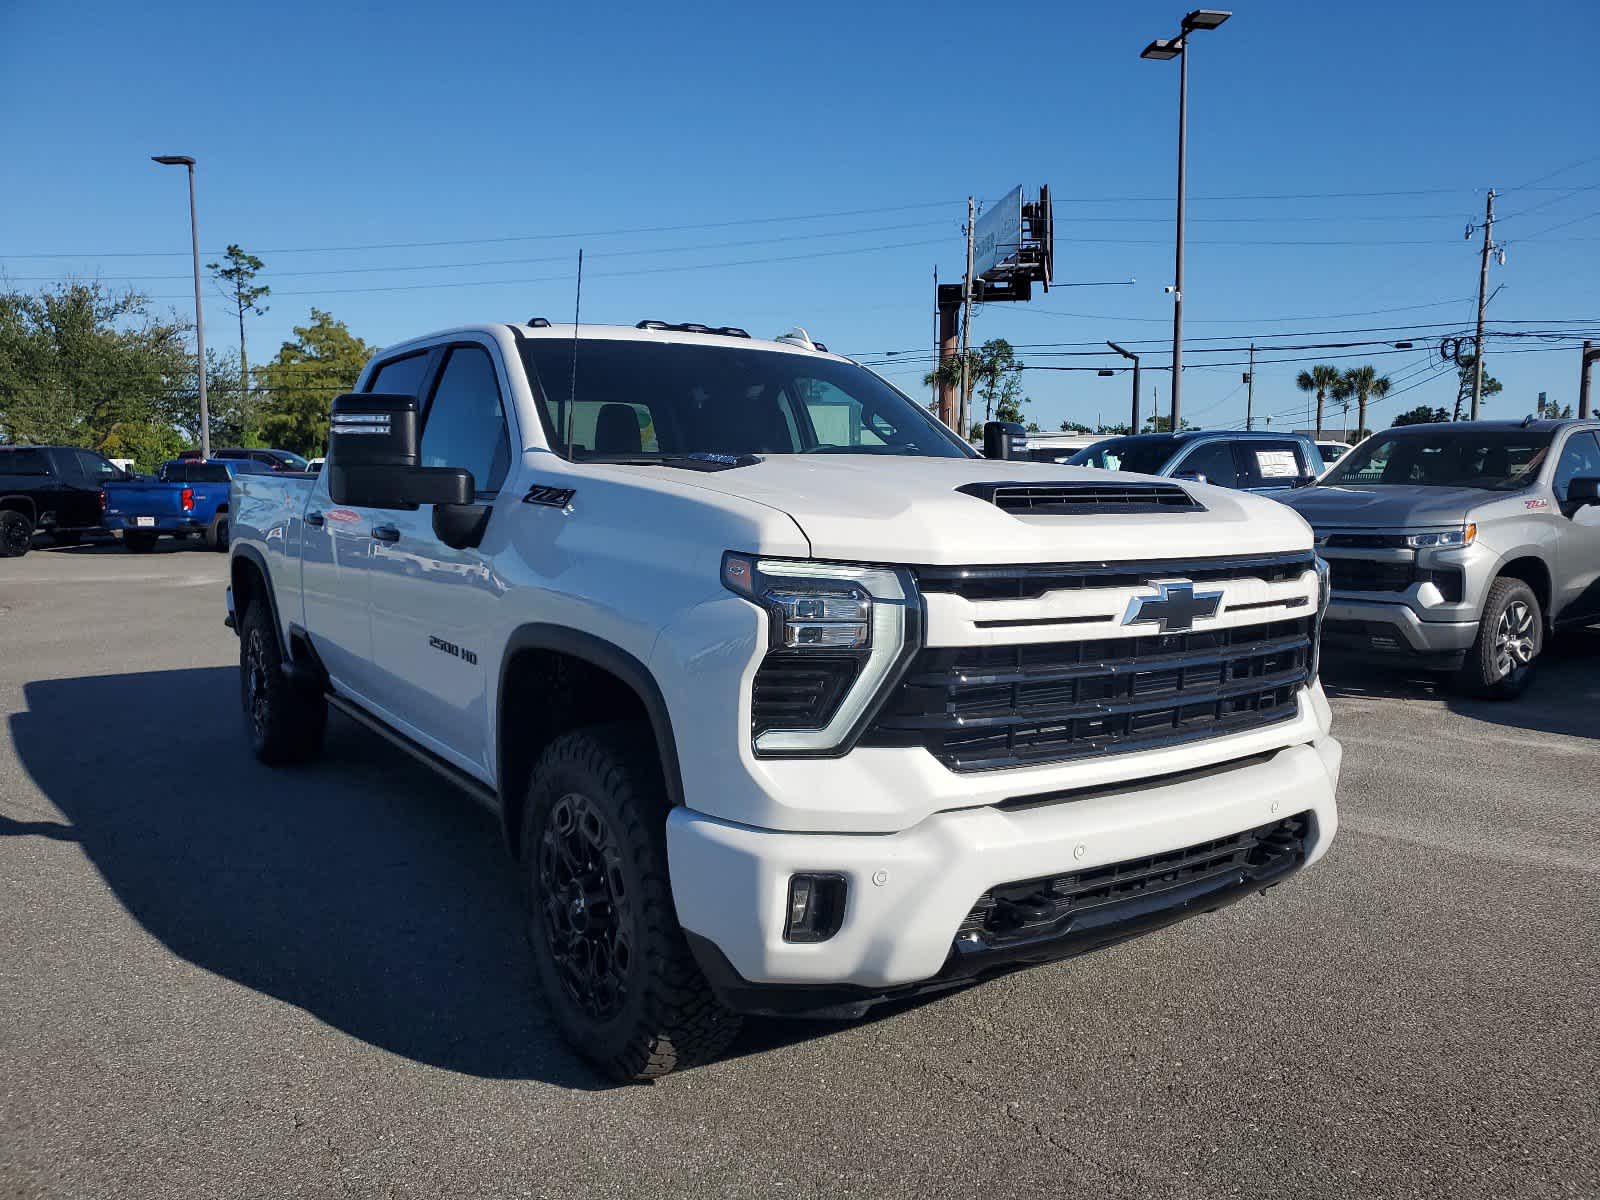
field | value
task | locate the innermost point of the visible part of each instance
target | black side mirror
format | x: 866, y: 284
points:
x: 373, y: 453
x: 1004, y: 439
x: 1189, y: 476
x: 1585, y: 489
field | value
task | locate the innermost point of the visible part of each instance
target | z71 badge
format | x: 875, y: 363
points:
x: 1536, y: 502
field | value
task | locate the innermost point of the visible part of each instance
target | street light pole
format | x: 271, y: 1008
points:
x: 1133, y: 424
x: 1162, y: 49
x: 183, y: 160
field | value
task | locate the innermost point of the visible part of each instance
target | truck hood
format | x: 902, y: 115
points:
x: 1388, y: 506
x: 907, y: 510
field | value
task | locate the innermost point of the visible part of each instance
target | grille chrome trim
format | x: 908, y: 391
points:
x: 1034, y: 580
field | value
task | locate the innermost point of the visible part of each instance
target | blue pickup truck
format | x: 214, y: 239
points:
x: 186, y: 499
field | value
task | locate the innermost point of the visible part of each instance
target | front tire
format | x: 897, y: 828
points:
x: 1501, y: 663
x: 285, y: 723
x: 609, y: 953
x: 16, y: 533
x: 139, y: 543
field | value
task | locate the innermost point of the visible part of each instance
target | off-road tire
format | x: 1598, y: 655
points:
x: 139, y: 543
x: 665, y: 1015
x: 1510, y: 638
x: 16, y: 533
x: 285, y: 723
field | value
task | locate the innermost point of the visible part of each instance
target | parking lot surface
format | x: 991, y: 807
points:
x: 221, y: 980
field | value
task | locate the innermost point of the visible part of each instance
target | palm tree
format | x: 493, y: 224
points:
x: 1378, y: 389
x: 1321, y: 379
x: 1358, y: 382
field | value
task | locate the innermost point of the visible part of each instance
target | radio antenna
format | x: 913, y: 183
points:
x: 572, y: 391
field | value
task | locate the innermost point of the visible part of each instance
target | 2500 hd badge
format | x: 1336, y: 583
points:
x: 466, y: 656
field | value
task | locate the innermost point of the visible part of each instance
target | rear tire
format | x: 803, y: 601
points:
x: 217, y: 534
x: 16, y: 533
x: 1501, y: 663
x: 285, y: 723
x: 609, y: 953
x: 139, y: 543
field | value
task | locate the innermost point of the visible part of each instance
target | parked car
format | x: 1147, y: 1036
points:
x: 315, y: 465
x: 186, y: 499
x: 1248, y: 461
x: 1332, y: 452
x: 785, y: 700
x: 1461, y: 547
x: 53, y: 490
x: 278, y: 460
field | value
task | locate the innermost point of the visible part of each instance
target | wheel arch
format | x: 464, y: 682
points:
x: 1532, y: 570
x: 251, y: 581
x: 26, y: 505
x: 590, y: 679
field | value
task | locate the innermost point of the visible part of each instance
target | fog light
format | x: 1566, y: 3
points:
x: 816, y: 907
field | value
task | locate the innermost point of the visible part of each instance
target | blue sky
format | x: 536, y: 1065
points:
x: 503, y: 129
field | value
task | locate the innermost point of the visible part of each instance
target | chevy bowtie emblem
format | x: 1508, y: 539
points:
x: 1175, y: 608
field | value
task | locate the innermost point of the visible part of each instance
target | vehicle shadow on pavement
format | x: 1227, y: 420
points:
x: 359, y: 889
x: 1563, y: 698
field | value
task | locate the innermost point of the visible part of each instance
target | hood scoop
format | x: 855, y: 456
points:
x: 1086, y: 498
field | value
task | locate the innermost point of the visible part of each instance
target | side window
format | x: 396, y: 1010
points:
x: 96, y: 470
x: 1214, y: 460
x: 1580, y: 457
x: 1264, y: 463
x: 401, y: 376
x: 24, y: 462
x: 173, y: 472
x: 466, y: 423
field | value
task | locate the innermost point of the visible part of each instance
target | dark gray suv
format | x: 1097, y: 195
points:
x: 1249, y: 461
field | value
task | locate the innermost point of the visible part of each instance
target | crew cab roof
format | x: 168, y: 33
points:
x: 619, y: 333
x: 1544, y: 425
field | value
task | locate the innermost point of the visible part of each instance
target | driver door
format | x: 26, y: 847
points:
x: 1577, y: 587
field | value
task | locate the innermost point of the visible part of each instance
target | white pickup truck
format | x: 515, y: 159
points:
x: 787, y: 702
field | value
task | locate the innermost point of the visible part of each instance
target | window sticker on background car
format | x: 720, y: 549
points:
x: 1276, y: 464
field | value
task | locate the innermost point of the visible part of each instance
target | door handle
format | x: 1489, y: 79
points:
x: 386, y: 533
x: 315, y: 518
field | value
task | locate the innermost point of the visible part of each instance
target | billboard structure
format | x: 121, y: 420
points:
x: 1011, y: 247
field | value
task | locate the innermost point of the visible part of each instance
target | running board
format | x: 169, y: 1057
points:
x: 476, y: 788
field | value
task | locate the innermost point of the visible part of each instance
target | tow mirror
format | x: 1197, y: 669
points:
x: 1585, y: 489
x: 1004, y: 439
x: 373, y: 453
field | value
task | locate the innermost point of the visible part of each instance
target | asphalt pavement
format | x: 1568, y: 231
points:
x: 222, y: 980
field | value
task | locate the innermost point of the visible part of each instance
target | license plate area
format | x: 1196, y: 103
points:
x: 144, y: 522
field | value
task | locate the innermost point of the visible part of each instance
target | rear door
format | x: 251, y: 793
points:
x: 1213, y: 459
x: 338, y: 554
x: 1272, y: 464
x: 432, y: 604
x: 1577, y: 587
x: 81, y: 507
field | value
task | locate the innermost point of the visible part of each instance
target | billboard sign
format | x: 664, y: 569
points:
x: 997, y: 236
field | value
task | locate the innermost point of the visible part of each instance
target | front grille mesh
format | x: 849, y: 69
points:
x: 978, y: 708
x: 1037, y: 907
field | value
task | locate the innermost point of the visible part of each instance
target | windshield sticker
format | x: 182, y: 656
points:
x: 1277, y: 464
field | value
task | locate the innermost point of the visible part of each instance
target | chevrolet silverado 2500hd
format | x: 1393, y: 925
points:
x: 786, y: 702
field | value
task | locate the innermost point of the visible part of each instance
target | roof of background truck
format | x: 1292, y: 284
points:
x: 628, y: 333
x: 1539, y: 426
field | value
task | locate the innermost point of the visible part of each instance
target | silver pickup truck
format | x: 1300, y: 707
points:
x: 1461, y: 547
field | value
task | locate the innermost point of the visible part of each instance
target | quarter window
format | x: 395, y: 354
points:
x: 466, y: 423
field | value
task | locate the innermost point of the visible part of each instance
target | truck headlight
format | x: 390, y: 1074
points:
x: 836, y: 633
x: 1464, y: 536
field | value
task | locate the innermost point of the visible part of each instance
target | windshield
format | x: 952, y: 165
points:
x: 1494, y: 459
x: 1144, y: 455
x: 647, y: 401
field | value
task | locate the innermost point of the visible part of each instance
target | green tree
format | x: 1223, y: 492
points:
x: 1364, y: 383
x: 80, y: 363
x: 1465, y: 365
x: 1551, y: 410
x: 1321, y: 379
x: 322, y: 361
x: 1162, y: 423
x: 1075, y: 427
x: 236, y: 281
x: 1113, y: 430
x: 994, y: 373
x: 1421, y: 415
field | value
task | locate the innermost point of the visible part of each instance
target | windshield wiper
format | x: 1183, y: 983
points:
x: 698, y: 461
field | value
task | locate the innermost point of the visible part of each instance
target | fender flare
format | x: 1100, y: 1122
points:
x: 256, y: 559
x: 15, y: 501
x: 608, y: 657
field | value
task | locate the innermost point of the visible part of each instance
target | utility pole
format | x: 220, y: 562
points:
x: 1591, y: 354
x: 1177, y: 280
x: 1133, y: 420
x: 966, y: 320
x: 938, y: 394
x: 1483, y: 290
x: 184, y: 160
x: 1250, y: 389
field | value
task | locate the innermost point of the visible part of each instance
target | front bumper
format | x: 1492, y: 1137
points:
x: 909, y: 892
x: 1392, y: 630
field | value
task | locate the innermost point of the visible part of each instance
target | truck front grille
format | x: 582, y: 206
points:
x: 1359, y: 575
x: 978, y: 708
x: 1041, y: 907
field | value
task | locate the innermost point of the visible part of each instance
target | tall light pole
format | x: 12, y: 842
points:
x: 1133, y: 421
x: 1162, y: 49
x: 183, y: 160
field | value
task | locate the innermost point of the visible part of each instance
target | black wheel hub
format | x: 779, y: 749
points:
x: 16, y: 535
x: 583, y: 913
